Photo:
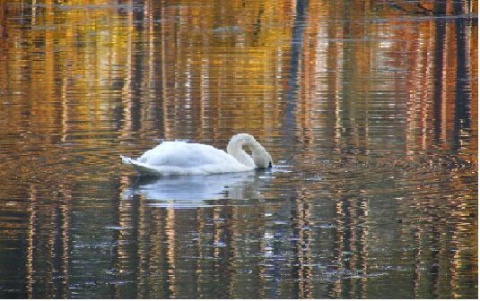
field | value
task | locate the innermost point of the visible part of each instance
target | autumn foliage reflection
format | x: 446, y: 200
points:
x: 345, y: 80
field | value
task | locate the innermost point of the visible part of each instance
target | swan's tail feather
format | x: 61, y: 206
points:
x: 141, y: 168
x: 161, y: 170
x: 126, y: 160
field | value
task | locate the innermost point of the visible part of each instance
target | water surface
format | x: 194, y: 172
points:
x: 368, y: 109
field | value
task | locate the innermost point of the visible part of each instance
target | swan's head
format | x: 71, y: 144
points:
x: 261, y: 158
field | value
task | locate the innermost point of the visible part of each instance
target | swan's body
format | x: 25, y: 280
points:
x: 183, y: 158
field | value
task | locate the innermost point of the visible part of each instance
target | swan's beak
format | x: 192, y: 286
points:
x: 270, y: 164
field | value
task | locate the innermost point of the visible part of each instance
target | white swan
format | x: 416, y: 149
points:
x: 183, y: 158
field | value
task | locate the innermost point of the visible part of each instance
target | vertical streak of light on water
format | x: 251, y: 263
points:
x: 295, y: 59
x: 171, y: 257
x: 32, y: 216
x: 440, y: 75
x: 462, y: 94
x: 128, y: 106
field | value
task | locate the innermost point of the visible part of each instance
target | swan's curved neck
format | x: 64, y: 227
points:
x: 261, y: 158
x: 235, y: 148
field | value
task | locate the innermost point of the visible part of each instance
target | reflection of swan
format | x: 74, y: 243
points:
x: 197, y: 190
x: 182, y: 158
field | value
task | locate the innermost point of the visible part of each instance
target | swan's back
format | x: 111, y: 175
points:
x: 183, y: 154
x: 182, y: 158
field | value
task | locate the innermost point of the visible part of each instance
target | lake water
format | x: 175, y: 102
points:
x: 369, y: 109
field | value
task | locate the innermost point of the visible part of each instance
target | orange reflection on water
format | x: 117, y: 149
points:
x: 81, y: 84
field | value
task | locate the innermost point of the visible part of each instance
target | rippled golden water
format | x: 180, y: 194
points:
x: 368, y: 108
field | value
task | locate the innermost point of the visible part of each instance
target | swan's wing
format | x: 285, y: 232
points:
x: 181, y: 154
x: 165, y: 170
x: 140, y: 167
x: 180, y: 158
x: 161, y: 170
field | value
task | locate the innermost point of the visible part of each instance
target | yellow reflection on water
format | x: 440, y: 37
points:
x: 80, y: 84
